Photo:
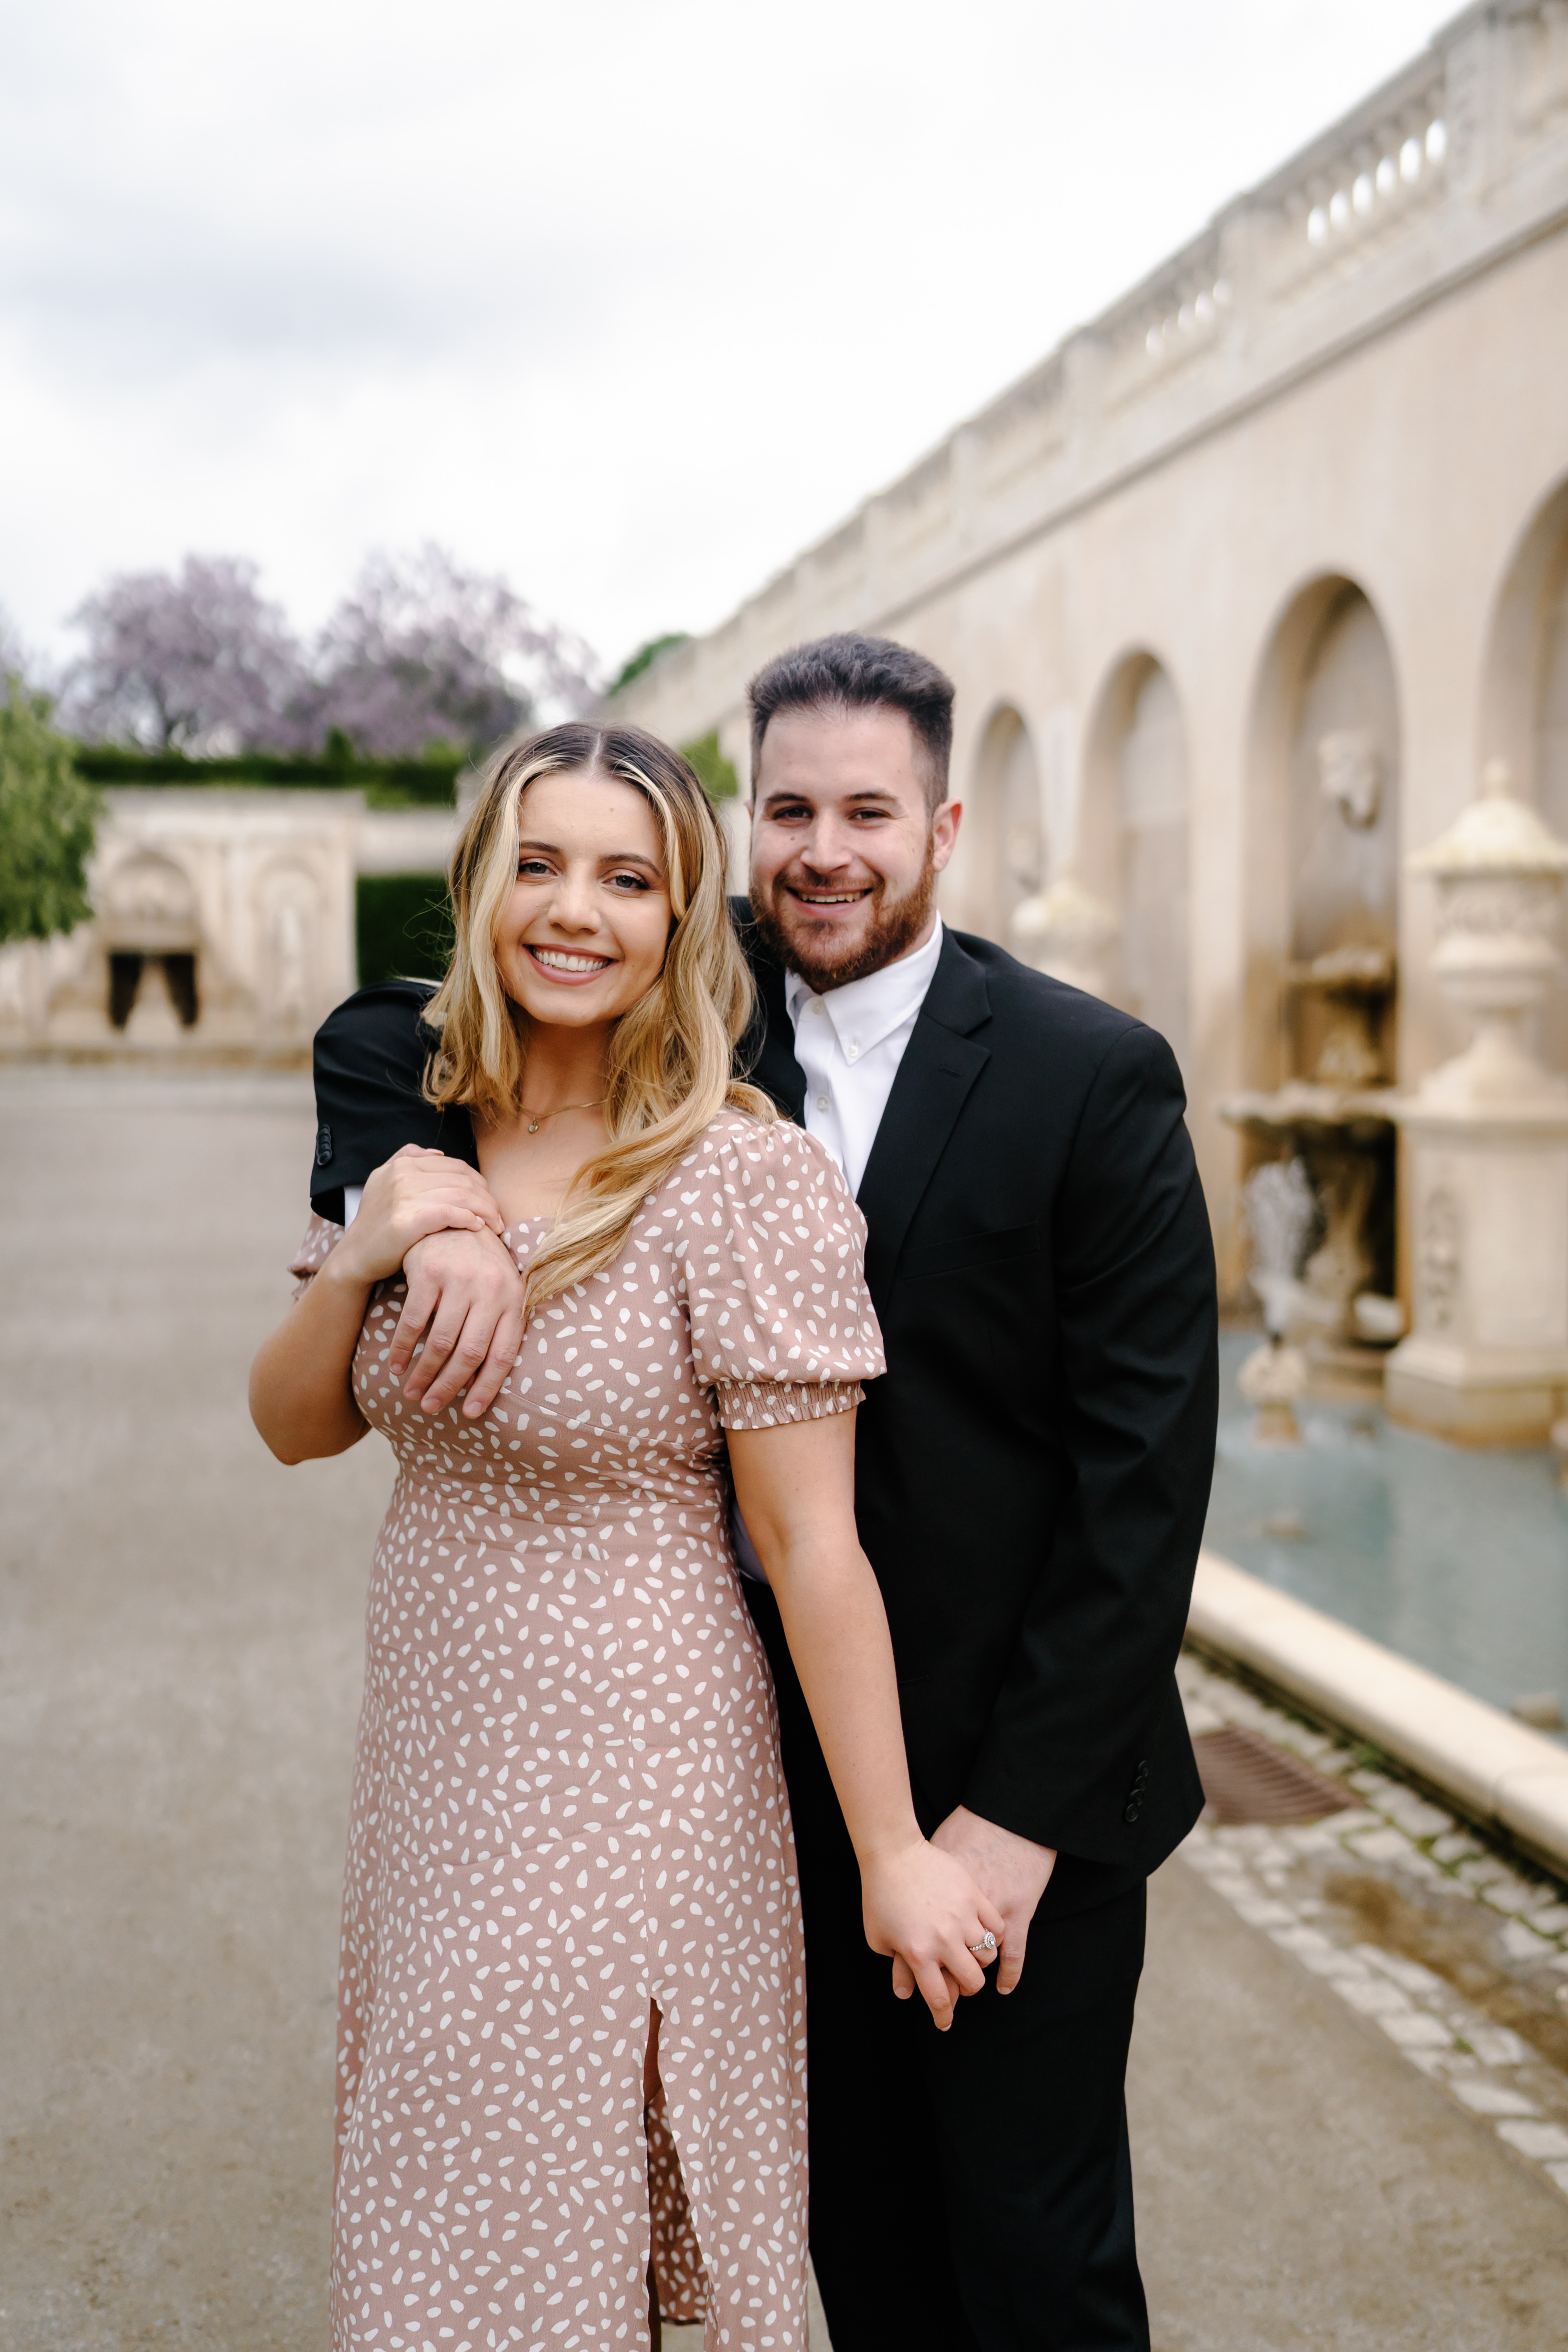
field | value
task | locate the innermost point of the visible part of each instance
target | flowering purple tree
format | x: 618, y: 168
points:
x: 197, y: 663
x: 424, y: 652
x: 421, y: 653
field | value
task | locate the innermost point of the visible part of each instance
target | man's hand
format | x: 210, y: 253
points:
x: 1013, y: 1871
x: 466, y: 1287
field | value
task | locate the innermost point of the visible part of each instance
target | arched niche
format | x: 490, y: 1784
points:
x: 1324, y: 839
x: 148, y: 905
x: 1003, y: 853
x: 1133, y: 841
x: 289, y: 928
x: 1524, y: 699
x: 149, y: 931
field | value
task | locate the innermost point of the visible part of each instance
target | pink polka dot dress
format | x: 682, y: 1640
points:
x: 567, y: 1799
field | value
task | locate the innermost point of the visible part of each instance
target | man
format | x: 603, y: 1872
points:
x: 1032, y: 1477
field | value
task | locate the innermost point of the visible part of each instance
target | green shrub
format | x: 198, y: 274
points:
x: 714, y: 773
x: 644, y: 658
x: 48, y: 823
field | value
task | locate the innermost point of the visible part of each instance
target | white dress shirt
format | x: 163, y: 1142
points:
x: 850, y: 1044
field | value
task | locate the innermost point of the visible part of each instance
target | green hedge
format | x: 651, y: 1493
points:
x: 403, y: 926
x: 385, y: 783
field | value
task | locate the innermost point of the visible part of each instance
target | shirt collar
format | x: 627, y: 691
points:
x: 864, y: 1012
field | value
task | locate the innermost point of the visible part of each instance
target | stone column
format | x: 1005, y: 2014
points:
x: 1487, y: 1359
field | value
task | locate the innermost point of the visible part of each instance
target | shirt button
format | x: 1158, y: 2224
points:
x: 817, y: 1005
x: 822, y: 1102
x: 852, y: 1053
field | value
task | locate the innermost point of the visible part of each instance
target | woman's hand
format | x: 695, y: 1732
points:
x: 414, y: 1193
x: 924, y: 1910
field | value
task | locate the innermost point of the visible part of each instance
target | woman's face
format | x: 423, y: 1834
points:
x: 583, y: 936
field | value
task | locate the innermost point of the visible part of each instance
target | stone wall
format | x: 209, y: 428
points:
x: 1286, y: 526
x: 224, y: 925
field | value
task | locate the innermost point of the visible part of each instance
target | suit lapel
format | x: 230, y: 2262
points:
x: 940, y: 1063
x: 766, y: 1053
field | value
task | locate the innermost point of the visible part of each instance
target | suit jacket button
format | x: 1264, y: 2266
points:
x: 1131, y: 1812
x: 323, y: 1147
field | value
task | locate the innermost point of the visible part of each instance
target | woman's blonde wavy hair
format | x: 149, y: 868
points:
x: 671, y: 1056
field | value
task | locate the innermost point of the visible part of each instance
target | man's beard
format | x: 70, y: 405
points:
x: 895, y: 924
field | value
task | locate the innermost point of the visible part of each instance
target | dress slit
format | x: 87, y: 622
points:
x: 680, y: 2278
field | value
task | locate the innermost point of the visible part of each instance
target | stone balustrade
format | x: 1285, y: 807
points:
x: 1459, y: 154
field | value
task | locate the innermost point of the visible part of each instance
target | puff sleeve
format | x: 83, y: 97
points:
x: 772, y: 1253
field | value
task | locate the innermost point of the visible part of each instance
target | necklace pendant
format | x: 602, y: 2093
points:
x: 533, y: 1127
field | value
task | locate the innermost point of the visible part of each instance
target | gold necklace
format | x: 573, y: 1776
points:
x: 536, y: 1118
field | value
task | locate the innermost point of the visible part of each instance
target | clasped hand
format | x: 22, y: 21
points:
x: 436, y: 1219
x: 923, y: 1911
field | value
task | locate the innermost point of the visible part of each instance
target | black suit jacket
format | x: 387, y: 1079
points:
x: 1033, y: 1472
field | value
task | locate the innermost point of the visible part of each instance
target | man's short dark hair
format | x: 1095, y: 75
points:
x: 851, y: 673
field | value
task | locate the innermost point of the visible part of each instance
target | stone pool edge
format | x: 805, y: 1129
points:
x: 1505, y: 1777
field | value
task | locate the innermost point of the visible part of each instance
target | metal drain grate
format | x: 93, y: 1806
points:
x: 1247, y: 1778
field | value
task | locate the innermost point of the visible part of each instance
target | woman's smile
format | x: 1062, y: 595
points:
x: 572, y: 965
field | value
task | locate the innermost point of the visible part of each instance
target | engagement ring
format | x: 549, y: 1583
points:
x: 987, y: 1943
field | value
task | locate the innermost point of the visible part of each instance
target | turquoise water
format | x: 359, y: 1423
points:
x: 1457, y: 1560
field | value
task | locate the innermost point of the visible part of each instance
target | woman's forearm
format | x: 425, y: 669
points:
x: 301, y: 1396
x: 838, y: 1633
x: 796, y: 1486
x: 301, y: 1399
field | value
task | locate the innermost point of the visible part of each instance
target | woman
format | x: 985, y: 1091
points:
x: 570, y: 1888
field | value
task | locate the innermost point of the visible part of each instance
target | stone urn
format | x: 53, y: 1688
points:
x: 1499, y: 876
x: 1487, y: 1139
x: 1070, y: 934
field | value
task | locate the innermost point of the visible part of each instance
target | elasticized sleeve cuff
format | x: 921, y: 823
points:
x: 768, y: 1405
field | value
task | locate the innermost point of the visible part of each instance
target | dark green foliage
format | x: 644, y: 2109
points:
x: 715, y: 773
x: 48, y: 822
x: 403, y: 926
x: 646, y: 656
x: 385, y: 783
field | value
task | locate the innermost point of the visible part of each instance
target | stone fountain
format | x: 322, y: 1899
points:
x: 1338, y: 1129
x: 1487, y: 1358
x: 1280, y: 1210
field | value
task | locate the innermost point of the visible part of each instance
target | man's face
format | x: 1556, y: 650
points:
x: 845, y: 855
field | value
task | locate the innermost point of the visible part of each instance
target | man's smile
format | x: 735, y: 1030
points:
x: 827, y: 898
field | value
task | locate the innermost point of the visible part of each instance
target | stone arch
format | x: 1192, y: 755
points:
x: 1524, y: 693
x: 147, y: 905
x: 1002, y: 852
x: 148, y: 936
x: 1133, y: 840
x: 1323, y: 845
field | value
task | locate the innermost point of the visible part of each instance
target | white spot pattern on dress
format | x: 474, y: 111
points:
x: 567, y: 1796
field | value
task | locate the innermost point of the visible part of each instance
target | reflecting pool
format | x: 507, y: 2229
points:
x: 1457, y: 1560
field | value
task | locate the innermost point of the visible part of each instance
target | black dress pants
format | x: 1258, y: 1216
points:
x: 970, y: 2191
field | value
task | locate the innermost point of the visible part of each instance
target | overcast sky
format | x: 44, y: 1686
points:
x: 627, y: 299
